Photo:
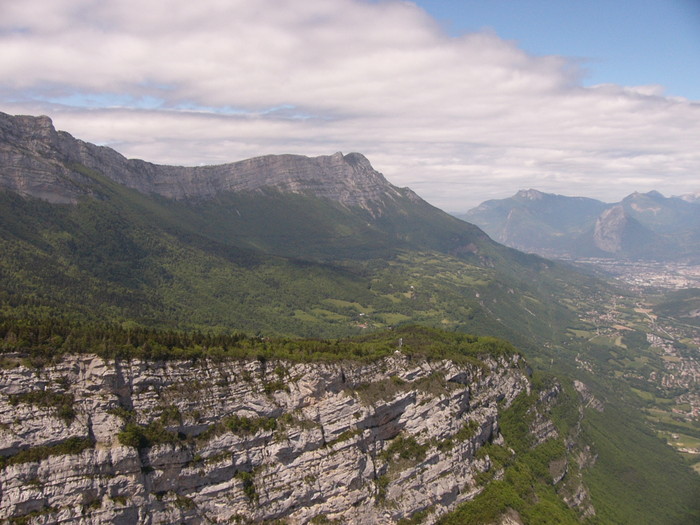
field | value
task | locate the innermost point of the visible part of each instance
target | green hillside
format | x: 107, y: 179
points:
x: 274, y: 263
x: 270, y: 266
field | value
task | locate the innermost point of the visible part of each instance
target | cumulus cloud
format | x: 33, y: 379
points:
x: 458, y: 119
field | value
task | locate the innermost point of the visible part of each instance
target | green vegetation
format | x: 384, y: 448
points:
x: 270, y: 263
x: 155, y: 433
x: 145, y: 436
x: 129, y: 276
x: 416, y: 519
x: 345, y: 436
x: 644, y: 488
x: 661, y: 491
x: 69, y: 446
x: 622, y: 443
x: 46, y: 340
x: 246, y: 425
x: 405, y: 448
x: 381, y: 484
x: 322, y: 519
x: 467, y: 431
x: 61, y: 403
x: 526, y: 486
x: 682, y: 304
x: 28, y: 518
x: 248, y: 480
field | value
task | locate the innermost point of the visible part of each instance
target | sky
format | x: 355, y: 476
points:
x: 462, y: 101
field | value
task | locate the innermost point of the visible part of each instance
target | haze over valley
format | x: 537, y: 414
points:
x: 647, y: 240
x: 168, y: 335
x: 267, y: 262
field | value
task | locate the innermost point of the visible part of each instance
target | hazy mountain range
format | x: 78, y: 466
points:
x: 641, y: 226
x: 151, y: 320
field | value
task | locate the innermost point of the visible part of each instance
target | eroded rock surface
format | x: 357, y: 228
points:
x: 255, y: 440
x: 41, y: 162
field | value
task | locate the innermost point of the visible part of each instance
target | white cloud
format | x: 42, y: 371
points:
x: 458, y: 119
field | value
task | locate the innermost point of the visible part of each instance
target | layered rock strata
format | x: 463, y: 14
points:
x: 210, y: 441
x: 41, y: 162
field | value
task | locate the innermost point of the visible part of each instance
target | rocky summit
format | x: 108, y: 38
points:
x: 41, y: 162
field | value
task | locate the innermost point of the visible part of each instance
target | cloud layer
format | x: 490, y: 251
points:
x: 459, y: 120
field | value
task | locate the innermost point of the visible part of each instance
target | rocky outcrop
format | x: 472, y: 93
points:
x: 93, y: 441
x: 617, y: 232
x: 589, y: 400
x: 41, y: 162
x: 32, y: 164
x: 608, y: 234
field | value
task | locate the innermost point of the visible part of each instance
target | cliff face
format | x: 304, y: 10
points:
x: 609, y: 229
x: 617, y: 232
x: 39, y: 161
x: 214, y: 441
x: 33, y: 162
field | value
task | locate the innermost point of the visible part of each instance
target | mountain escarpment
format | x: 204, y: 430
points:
x: 124, y: 441
x: 42, y: 162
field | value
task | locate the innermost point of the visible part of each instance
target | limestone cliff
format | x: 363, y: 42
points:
x: 93, y: 441
x: 609, y: 229
x: 39, y: 161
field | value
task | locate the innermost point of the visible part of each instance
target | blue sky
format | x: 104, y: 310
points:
x: 462, y: 101
x: 629, y: 43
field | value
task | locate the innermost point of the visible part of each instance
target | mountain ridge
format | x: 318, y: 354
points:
x: 641, y: 226
x: 200, y: 261
x: 347, y: 179
x: 285, y: 265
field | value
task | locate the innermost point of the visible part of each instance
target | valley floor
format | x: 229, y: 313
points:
x: 648, y: 335
x: 644, y: 274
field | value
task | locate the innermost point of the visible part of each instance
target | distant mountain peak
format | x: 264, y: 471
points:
x: 641, y: 226
x: 691, y: 197
x: 653, y: 194
x: 530, y: 194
